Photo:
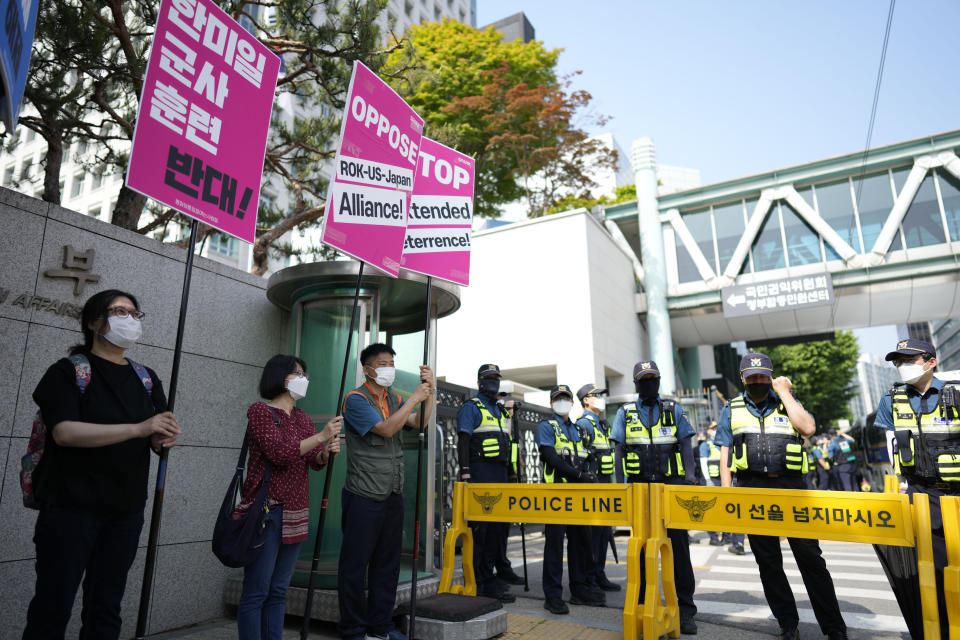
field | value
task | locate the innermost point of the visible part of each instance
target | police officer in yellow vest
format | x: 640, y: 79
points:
x: 709, y: 459
x: 564, y: 460
x: 922, y: 413
x: 595, y: 436
x: 372, y: 507
x: 655, y: 438
x: 843, y: 460
x: 484, y: 449
x: 759, y: 436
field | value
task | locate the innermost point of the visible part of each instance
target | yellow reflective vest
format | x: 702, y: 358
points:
x: 713, y: 460
x: 568, y: 450
x: 651, y: 453
x: 927, y: 445
x: 490, y: 440
x: 770, y: 444
x: 601, y: 447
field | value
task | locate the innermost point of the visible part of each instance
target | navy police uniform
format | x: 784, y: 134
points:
x: 766, y: 451
x: 926, y: 429
x: 563, y: 457
x: 654, y: 436
x: 595, y: 436
x: 844, y: 461
x: 487, y: 455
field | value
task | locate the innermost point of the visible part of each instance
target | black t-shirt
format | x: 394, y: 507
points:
x: 106, y: 480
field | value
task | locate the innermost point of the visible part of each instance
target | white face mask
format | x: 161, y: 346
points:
x: 599, y: 404
x: 123, y: 332
x: 562, y: 407
x: 910, y: 373
x: 385, y: 376
x: 298, y: 387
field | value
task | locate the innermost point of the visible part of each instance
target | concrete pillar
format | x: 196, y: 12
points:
x: 644, y: 157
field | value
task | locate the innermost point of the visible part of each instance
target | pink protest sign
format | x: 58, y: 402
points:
x: 367, y: 200
x: 201, y: 132
x: 441, y: 212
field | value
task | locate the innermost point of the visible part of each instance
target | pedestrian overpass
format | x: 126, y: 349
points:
x: 885, y: 226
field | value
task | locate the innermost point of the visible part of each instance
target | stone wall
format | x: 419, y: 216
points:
x: 231, y: 331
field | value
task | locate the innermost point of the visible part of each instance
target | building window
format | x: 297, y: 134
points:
x: 835, y: 205
x: 408, y: 8
x: 700, y: 227
x: 950, y: 194
x: 77, y: 187
x: 803, y: 243
x: 874, y: 200
x: 730, y: 227
x: 8, y: 175
x: 922, y: 225
x: 768, y: 245
x: 31, y: 134
x: 97, y: 179
x: 26, y: 169
x: 94, y: 211
x: 224, y: 245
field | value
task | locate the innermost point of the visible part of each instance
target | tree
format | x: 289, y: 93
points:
x: 92, y: 92
x: 586, y: 201
x: 448, y: 61
x: 532, y: 131
x: 822, y: 373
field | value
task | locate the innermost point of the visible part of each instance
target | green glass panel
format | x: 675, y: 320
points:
x: 803, y: 243
x: 835, y: 206
x: 922, y: 226
x: 874, y: 201
x: 730, y: 226
x: 768, y: 246
x: 950, y: 192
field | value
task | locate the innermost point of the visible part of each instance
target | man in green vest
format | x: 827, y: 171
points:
x: 564, y: 460
x: 922, y: 412
x: 372, y: 501
x: 595, y: 436
x: 759, y: 433
x: 484, y: 449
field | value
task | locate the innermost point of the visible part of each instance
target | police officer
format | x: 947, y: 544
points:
x: 709, y: 462
x: 921, y: 411
x: 843, y: 460
x: 759, y: 436
x: 655, y: 437
x: 811, y: 475
x: 823, y: 463
x: 595, y: 436
x: 504, y: 569
x: 564, y: 459
x: 372, y: 508
x: 484, y: 450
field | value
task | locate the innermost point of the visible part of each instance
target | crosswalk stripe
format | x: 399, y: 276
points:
x: 797, y: 587
x: 871, y: 621
x: 844, y: 554
x: 788, y: 558
x: 795, y: 573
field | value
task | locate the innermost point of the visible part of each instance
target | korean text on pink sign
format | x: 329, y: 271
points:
x: 204, y: 117
x: 441, y: 213
x: 366, y: 214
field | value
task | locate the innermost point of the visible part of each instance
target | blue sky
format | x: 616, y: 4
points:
x: 741, y: 87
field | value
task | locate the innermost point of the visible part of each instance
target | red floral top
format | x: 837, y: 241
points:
x: 288, y: 480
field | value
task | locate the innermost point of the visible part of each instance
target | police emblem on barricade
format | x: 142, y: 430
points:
x: 696, y: 507
x: 487, y: 500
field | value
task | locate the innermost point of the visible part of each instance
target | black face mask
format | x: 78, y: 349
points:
x: 489, y: 387
x: 648, y: 388
x: 757, y: 390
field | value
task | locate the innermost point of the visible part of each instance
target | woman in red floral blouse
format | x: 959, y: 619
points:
x: 283, y: 436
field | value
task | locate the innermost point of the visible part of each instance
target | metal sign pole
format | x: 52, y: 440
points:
x: 328, y: 478
x: 146, y: 590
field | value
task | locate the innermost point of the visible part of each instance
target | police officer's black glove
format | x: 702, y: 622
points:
x: 586, y: 476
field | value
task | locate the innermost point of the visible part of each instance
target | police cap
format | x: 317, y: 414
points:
x: 643, y: 368
x: 560, y: 390
x: 487, y: 370
x: 911, y: 347
x: 589, y: 390
x: 756, y: 363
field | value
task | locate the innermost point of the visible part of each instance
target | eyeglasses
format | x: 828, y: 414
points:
x: 123, y: 312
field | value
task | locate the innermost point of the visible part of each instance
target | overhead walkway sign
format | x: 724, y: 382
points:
x: 783, y: 294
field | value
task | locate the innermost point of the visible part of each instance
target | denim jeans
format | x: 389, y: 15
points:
x: 265, y: 581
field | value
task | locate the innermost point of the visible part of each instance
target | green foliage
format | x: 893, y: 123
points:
x: 569, y: 202
x: 451, y: 63
x: 822, y: 373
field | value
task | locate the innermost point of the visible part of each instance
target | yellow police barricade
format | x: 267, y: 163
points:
x: 621, y: 505
x: 950, y: 510
x: 872, y: 518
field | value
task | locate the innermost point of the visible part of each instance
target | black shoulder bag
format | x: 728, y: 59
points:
x: 237, y: 541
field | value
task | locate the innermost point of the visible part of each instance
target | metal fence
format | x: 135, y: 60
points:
x: 450, y: 397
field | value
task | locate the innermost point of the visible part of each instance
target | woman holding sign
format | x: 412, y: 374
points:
x: 283, y: 437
